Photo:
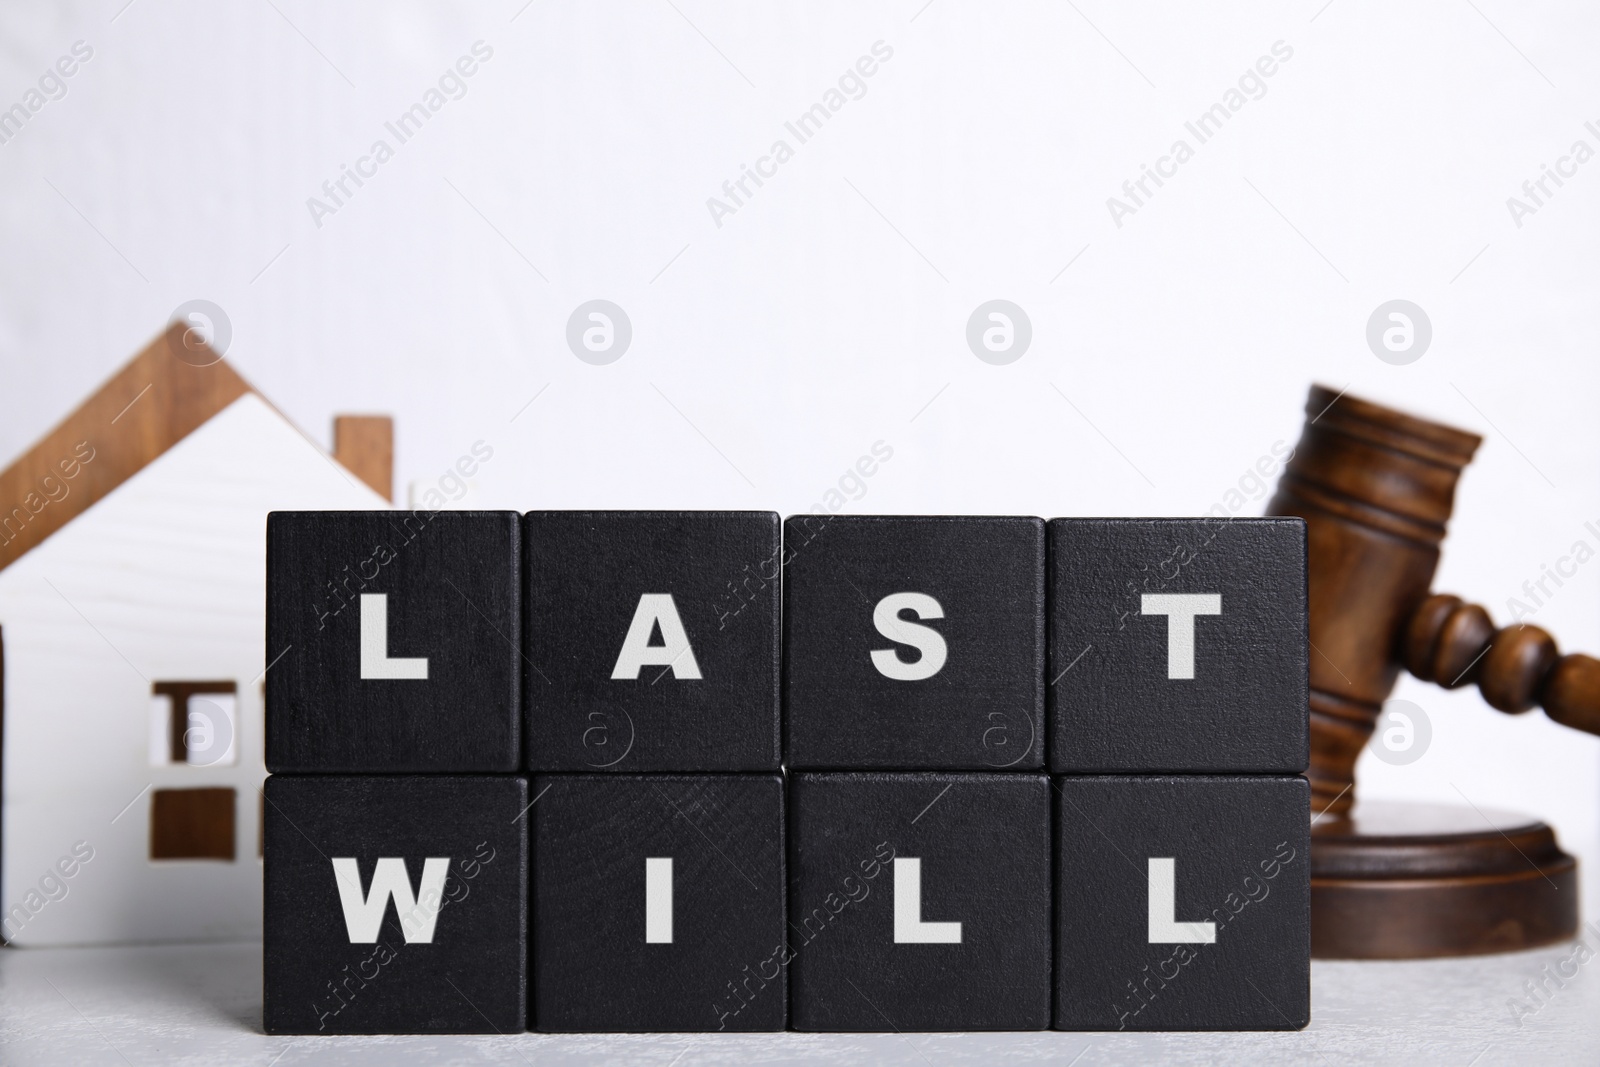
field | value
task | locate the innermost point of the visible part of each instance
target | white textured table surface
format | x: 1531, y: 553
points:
x: 197, y: 1004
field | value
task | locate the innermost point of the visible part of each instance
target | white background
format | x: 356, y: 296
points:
x: 829, y: 312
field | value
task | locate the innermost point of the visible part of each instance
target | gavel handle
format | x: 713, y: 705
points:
x: 1454, y: 643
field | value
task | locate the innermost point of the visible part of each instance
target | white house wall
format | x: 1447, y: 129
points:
x: 164, y: 579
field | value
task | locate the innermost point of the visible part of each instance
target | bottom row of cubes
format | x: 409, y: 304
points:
x: 827, y: 902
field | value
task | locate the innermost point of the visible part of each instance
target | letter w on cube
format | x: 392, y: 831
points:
x: 363, y: 915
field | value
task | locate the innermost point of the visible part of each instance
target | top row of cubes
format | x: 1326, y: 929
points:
x: 650, y: 641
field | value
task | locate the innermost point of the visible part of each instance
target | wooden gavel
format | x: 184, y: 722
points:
x: 1376, y: 488
x: 1454, y: 643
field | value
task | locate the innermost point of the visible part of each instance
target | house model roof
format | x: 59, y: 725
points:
x: 158, y: 398
x: 148, y: 406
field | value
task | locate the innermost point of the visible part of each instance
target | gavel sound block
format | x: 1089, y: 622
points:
x: 1375, y: 488
x: 547, y: 750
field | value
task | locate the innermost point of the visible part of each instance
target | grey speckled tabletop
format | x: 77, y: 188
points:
x: 201, y: 1004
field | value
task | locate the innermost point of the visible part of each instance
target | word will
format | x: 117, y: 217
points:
x: 404, y: 127
x: 1202, y: 129
x: 806, y: 126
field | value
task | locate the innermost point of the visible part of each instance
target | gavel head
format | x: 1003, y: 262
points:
x: 1375, y: 488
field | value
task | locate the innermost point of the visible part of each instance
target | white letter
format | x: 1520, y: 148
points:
x: 1165, y: 929
x: 1180, y: 610
x: 886, y: 617
x: 656, y: 609
x: 363, y: 917
x: 909, y: 929
x: 658, y: 900
x: 375, y: 661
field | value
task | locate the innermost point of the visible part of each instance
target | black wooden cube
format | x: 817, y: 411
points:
x: 395, y: 904
x: 393, y: 641
x: 1183, y: 903
x: 1178, y: 645
x: 914, y: 643
x: 652, y: 641
x: 919, y: 901
x: 658, y: 903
